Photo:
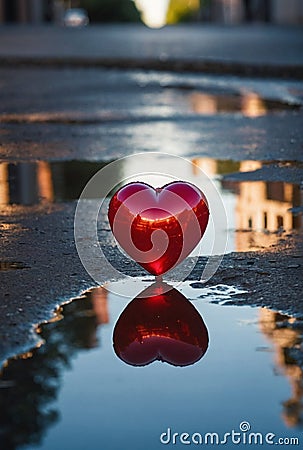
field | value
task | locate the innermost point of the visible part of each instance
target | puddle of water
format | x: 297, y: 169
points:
x: 183, y: 99
x: 156, y: 96
x: 251, y: 225
x: 83, y: 389
x: 38, y: 182
x: 209, y: 96
x: 10, y: 265
x: 66, y: 118
x: 249, y: 104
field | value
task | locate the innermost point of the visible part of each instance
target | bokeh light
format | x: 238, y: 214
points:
x: 153, y: 12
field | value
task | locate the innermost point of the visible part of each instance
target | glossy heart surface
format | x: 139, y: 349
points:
x: 160, y: 325
x: 158, y: 228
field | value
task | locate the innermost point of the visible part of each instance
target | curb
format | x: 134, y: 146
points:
x: 185, y: 65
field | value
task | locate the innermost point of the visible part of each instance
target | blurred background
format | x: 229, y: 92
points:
x: 154, y: 13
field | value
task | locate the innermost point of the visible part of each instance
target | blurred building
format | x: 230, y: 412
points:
x: 287, y: 341
x: 290, y: 12
x: 282, y: 12
x: 28, y: 11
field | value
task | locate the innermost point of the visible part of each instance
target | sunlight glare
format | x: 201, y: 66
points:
x: 153, y: 12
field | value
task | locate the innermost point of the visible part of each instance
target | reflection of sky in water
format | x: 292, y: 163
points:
x: 107, y: 403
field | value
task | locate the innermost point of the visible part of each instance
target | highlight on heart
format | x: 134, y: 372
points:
x: 160, y: 325
x: 158, y: 228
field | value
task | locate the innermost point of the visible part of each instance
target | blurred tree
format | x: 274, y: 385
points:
x: 111, y: 10
x: 205, y: 13
x: 182, y: 11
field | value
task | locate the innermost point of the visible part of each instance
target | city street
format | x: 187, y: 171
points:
x: 258, y: 45
x: 95, y: 352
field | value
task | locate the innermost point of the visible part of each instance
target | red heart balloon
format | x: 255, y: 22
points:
x: 164, y: 326
x: 159, y: 227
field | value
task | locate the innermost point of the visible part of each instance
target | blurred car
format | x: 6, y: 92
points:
x: 75, y: 17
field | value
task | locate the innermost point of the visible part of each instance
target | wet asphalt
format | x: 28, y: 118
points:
x: 97, y: 114
x: 256, y: 50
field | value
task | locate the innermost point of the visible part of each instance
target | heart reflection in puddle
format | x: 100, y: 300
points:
x: 160, y: 325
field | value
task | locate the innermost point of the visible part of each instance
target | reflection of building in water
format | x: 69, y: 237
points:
x: 250, y: 104
x: 260, y: 207
x: 207, y: 165
x: 4, y: 187
x: 264, y: 206
x: 285, y: 339
x: 44, y: 181
x: 93, y: 312
x: 95, y: 308
x: 212, y: 167
x: 38, y: 182
x: 98, y: 298
x: 25, y: 183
